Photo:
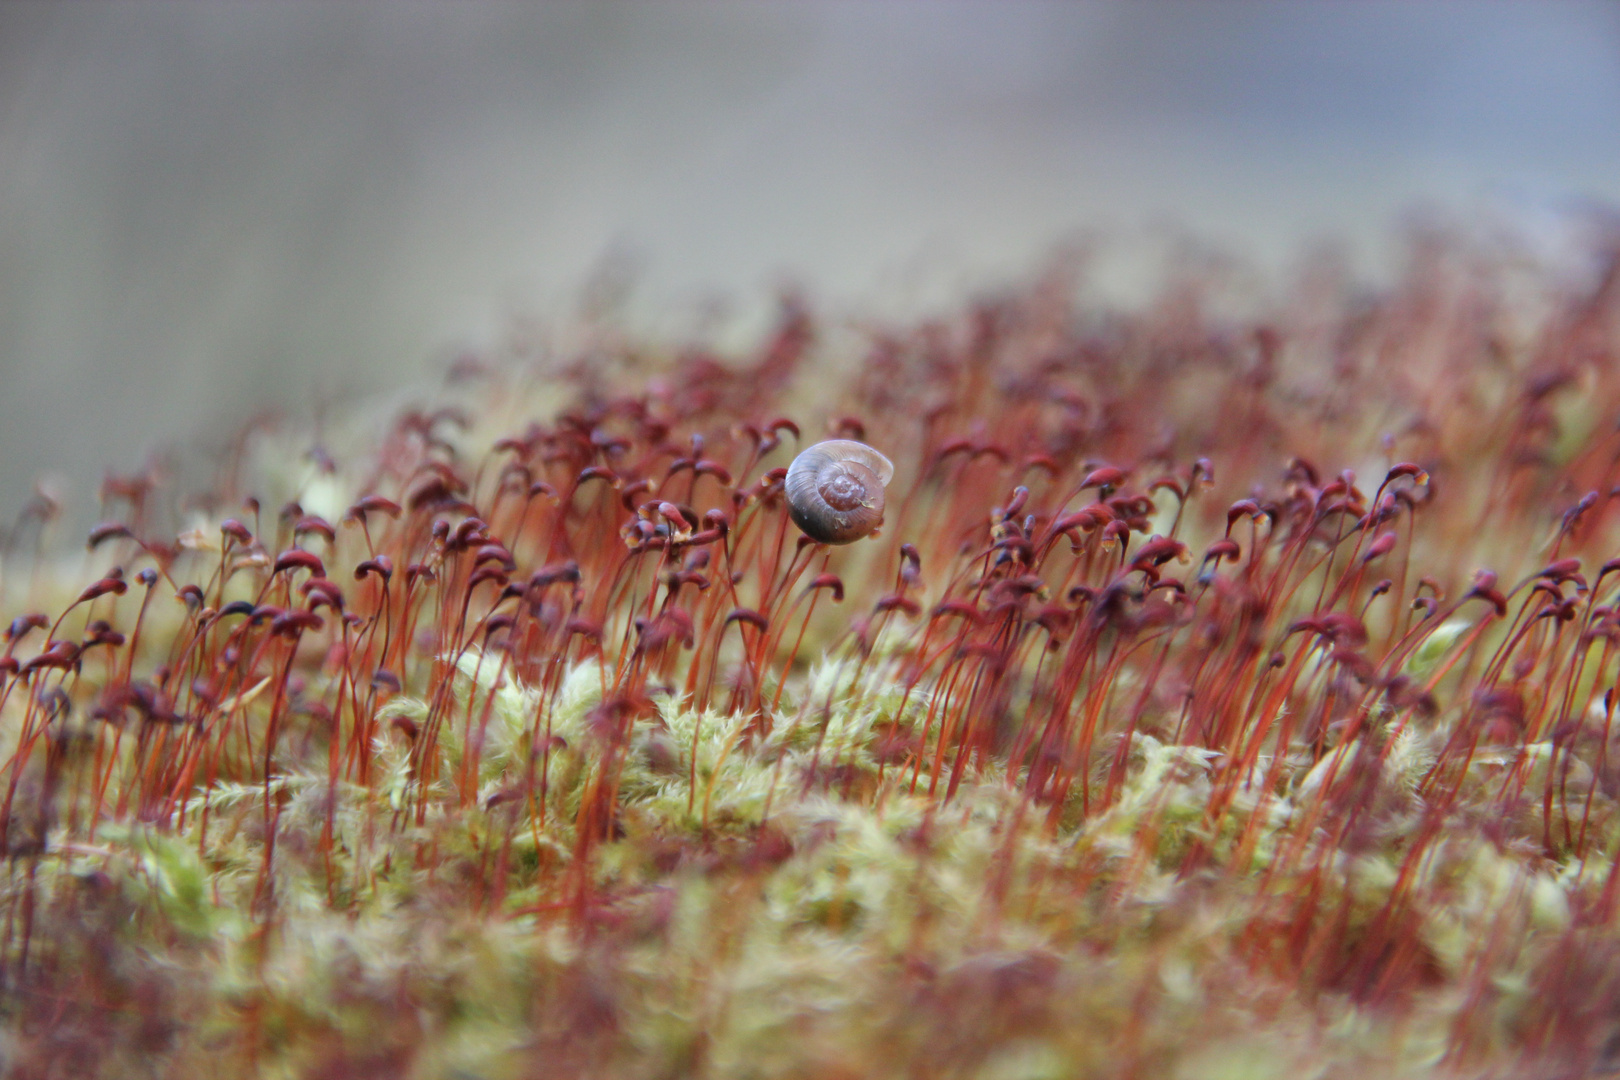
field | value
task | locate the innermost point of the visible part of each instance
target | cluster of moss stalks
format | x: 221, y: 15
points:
x: 1222, y: 696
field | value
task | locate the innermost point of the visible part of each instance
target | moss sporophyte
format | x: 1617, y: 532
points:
x: 1110, y: 693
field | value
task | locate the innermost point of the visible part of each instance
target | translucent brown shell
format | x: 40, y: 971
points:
x: 835, y: 490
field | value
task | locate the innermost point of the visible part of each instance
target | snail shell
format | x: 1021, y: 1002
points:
x: 835, y: 490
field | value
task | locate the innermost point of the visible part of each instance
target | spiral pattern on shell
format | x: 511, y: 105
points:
x: 835, y: 490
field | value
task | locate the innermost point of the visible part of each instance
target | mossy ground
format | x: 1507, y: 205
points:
x: 560, y: 757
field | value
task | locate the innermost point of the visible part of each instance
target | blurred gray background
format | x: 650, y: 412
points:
x: 211, y: 209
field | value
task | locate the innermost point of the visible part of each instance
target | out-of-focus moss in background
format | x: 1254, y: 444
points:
x: 209, y: 209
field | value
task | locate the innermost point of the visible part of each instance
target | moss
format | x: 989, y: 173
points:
x: 541, y: 763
